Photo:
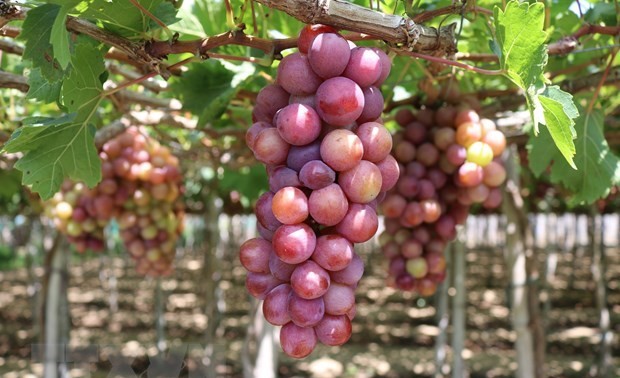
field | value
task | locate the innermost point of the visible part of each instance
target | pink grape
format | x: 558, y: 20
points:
x: 376, y: 141
x: 470, y: 174
x: 494, y: 174
x: 334, y: 330
x: 294, y: 243
x: 341, y: 149
x: 315, y: 174
x: 268, y: 101
x: 298, y: 124
x: 282, y: 176
x: 339, y: 299
x: 364, y: 66
x: 254, y: 255
x: 296, y: 341
x: 279, y: 269
x: 361, y: 183
x: 290, y: 205
x: 309, y: 280
x: 275, y: 306
x: 329, y: 54
x: 359, y: 224
x: 298, y: 156
x: 328, y: 206
x: 296, y: 76
x: 333, y: 252
x: 386, y: 66
x: 308, y: 33
x: 389, y: 172
x: 259, y: 284
x: 351, y: 274
x: 270, y: 148
x: 305, y: 312
x: 264, y: 212
x: 373, y: 105
x: 340, y: 101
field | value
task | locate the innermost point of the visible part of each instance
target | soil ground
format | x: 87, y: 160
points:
x: 394, y: 333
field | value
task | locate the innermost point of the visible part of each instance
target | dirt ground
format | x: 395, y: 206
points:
x: 393, y: 334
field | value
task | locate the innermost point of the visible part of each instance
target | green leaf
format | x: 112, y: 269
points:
x: 597, y: 167
x: 559, y: 111
x: 250, y: 182
x: 36, y: 33
x: 11, y: 183
x: 23, y: 139
x: 59, y: 37
x: 520, y: 37
x: 124, y: 18
x: 61, y: 147
x: 207, y: 88
x: 41, y: 89
x: 83, y: 86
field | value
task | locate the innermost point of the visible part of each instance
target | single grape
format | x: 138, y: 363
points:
x: 296, y: 341
x: 275, y: 306
x: 298, y: 124
x: 328, y: 206
x: 254, y: 255
x: 334, y: 329
x: 328, y: 55
x: 296, y: 76
x: 294, y: 243
x: 309, y: 280
x: 341, y: 150
x: 290, y: 205
x: 361, y: 183
x: 305, y: 312
x: 364, y: 66
x: 333, y: 252
x: 376, y: 141
x: 340, y: 101
x: 315, y: 174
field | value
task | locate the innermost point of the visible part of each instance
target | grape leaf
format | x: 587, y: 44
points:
x: 59, y: 37
x: 250, y: 182
x: 36, y: 34
x: 42, y: 90
x: 58, y: 147
x: 207, y: 88
x: 123, y: 18
x: 10, y: 180
x: 597, y: 167
x: 523, y: 56
x: 520, y: 37
x: 559, y: 111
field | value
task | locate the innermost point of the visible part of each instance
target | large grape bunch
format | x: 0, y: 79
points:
x: 319, y: 133
x: 140, y: 187
x: 449, y: 160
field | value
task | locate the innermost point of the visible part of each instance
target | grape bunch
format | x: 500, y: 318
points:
x: 139, y: 188
x: 449, y: 161
x: 78, y: 213
x: 319, y: 133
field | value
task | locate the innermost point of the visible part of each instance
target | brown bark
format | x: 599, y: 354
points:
x: 397, y: 30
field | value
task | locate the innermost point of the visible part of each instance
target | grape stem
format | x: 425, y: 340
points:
x: 612, y: 56
x: 453, y: 63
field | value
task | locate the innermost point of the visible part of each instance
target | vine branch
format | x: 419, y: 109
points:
x: 393, y: 29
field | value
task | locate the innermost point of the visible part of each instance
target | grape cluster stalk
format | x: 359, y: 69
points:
x: 140, y: 186
x: 449, y: 161
x: 327, y: 154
